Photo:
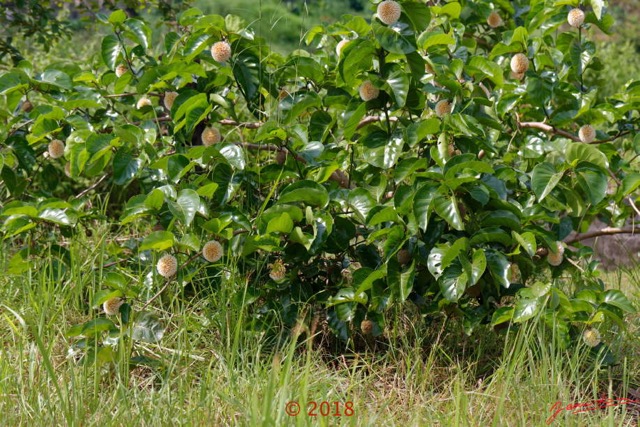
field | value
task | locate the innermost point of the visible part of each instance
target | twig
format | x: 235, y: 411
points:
x: 92, y: 187
x: 153, y: 298
x: 548, y: 129
x: 607, y: 231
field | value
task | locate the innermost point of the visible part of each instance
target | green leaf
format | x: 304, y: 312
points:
x: 111, y: 49
x: 618, y: 299
x: 479, y: 66
x: 544, y: 179
x: 117, y: 17
x: 422, y: 203
x: 460, y: 245
x: 357, y: 57
x: 125, y: 167
x: 58, y: 216
x: 593, y: 182
x: 281, y: 224
x: 398, y: 81
x: 599, y: 7
x: 499, y: 267
x: 586, y: 153
x: 527, y: 241
x: 139, y: 32
x: 502, y: 315
x: 453, y: 283
x: 382, y: 151
x: 400, y: 282
x: 186, y: 206
x: 157, y: 241
x: 446, y: 206
x: 429, y: 39
x: 401, y: 41
x: 305, y: 191
x: 478, y: 265
x: 418, y: 15
x: 526, y: 309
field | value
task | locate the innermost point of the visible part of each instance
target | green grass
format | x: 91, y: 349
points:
x: 215, y: 373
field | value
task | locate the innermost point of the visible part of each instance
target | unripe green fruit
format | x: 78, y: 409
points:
x: 389, y: 12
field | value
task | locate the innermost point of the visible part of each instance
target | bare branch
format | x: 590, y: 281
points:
x: 548, y: 129
x: 607, y: 231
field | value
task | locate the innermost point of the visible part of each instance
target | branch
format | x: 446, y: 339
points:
x: 548, y: 129
x: 607, y: 231
x: 555, y: 131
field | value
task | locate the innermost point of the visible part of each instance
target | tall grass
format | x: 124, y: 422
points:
x: 214, y: 372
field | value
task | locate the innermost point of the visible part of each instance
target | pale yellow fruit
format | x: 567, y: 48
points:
x: 389, y: 12
x: 221, y: 51
x: 278, y: 270
x: 517, y: 76
x: 494, y: 20
x: 368, y: 91
x: 56, y: 149
x: 587, y: 134
x: 121, y: 70
x: 575, y: 18
x: 210, y: 136
x: 514, y: 273
x: 169, y: 98
x: 443, y: 108
x: 167, y: 266
x: 67, y: 170
x: 366, y: 327
x: 591, y: 337
x: 112, y: 306
x: 212, y: 251
x: 519, y: 63
x: 143, y: 102
x: 340, y: 46
x: 556, y: 258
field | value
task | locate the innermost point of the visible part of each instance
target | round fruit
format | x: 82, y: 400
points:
x: 121, y: 70
x: 555, y: 258
x: 210, y: 136
x: 494, y: 20
x: 169, y: 98
x: 56, y: 149
x: 167, y: 266
x: 443, y: 108
x: 368, y: 91
x: 366, y: 327
x: 143, y: 102
x: 591, y: 337
x: 575, y: 18
x: 112, y: 306
x: 26, y: 107
x: 212, y: 251
x: 221, y: 51
x: 389, y: 12
x: 519, y: 63
x: 404, y: 256
x: 587, y: 134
